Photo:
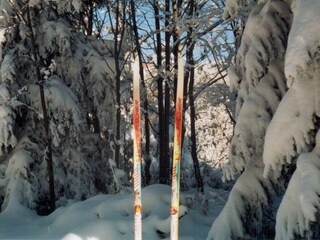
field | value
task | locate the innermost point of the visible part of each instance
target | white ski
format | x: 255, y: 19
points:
x: 175, y: 195
x: 137, y: 153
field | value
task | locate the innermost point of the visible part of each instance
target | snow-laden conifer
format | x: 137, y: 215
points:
x: 277, y: 132
x: 77, y: 75
x: 258, y: 77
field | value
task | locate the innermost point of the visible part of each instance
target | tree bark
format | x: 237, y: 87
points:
x: 167, y: 95
x: 90, y: 18
x: 48, y: 140
x: 161, y: 139
x: 191, y: 64
x: 118, y: 32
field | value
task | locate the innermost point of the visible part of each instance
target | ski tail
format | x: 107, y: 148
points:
x: 137, y: 153
x: 175, y: 194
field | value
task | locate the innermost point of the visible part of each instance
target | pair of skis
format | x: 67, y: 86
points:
x: 175, y: 194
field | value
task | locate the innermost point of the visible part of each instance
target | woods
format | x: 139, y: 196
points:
x: 87, y: 48
x: 250, y: 107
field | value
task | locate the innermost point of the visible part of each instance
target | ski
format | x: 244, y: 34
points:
x: 175, y: 194
x: 137, y: 153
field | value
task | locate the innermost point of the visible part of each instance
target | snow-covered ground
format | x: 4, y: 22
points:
x: 111, y: 217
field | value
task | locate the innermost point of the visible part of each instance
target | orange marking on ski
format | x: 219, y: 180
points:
x: 137, y: 209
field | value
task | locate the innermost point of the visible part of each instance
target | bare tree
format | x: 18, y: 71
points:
x: 118, y: 30
x: 191, y: 69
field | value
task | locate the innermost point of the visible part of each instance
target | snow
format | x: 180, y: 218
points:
x: 294, y: 120
x: 245, y: 204
x: 301, y: 202
x: 213, y: 105
x: 236, y: 8
x: 4, y: 93
x: 288, y: 136
x: 2, y: 37
x: 17, y: 177
x: 63, y: 5
x: 111, y: 217
x: 7, y: 70
x: 60, y: 99
x: 7, y: 137
x: 258, y: 77
x: 57, y: 35
x: 290, y: 131
x: 276, y: 75
x: 303, y: 34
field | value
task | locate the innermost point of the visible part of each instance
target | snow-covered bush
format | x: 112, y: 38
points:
x: 215, y: 109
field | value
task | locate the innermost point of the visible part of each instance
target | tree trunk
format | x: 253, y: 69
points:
x: 90, y: 18
x: 118, y: 32
x: 160, y: 94
x: 191, y: 64
x: 167, y: 96
x: 193, y: 134
x: 48, y: 140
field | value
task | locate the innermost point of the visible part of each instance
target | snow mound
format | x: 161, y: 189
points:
x: 111, y: 217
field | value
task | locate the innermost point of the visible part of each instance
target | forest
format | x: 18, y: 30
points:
x: 250, y: 165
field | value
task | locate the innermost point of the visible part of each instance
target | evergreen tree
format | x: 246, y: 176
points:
x: 79, y: 95
x: 276, y: 133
